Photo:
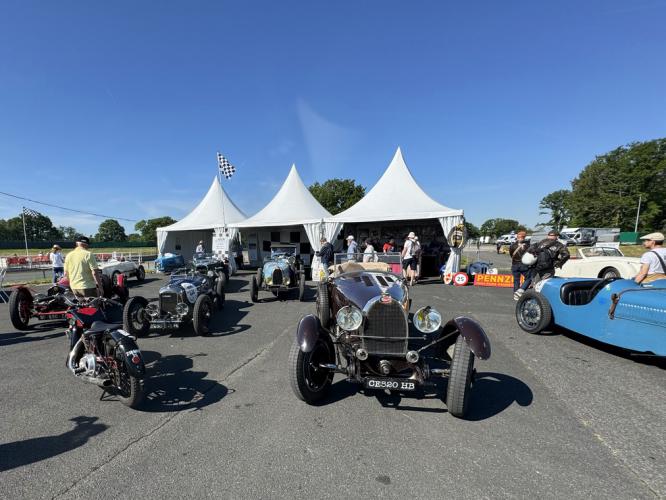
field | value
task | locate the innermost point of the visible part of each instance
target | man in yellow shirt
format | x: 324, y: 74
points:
x: 85, y: 279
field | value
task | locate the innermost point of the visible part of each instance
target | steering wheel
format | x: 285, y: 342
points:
x: 598, y: 286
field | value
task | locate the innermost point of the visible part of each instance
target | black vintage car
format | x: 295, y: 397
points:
x: 187, y: 298
x: 281, y: 272
x: 204, y: 262
x: 362, y: 329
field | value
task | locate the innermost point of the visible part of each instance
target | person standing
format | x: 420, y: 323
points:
x: 351, y: 248
x: 85, y: 278
x: 516, y: 250
x: 418, y: 255
x: 57, y: 261
x: 389, y: 246
x: 326, y: 255
x: 369, y: 254
x: 408, y: 260
x: 550, y: 253
x: 653, y: 262
x: 200, y: 247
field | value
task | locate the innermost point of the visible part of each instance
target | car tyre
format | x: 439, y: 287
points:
x: 107, y: 287
x: 460, y: 379
x: 19, y: 308
x: 310, y: 383
x: 114, y: 278
x: 322, y: 305
x: 259, y: 276
x: 254, y: 289
x: 222, y: 278
x: 533, y: 312
x: 140, y: 273
x: 135, y: 321
x: 203, y: 312
x: 219, y: 292
x: 301, y: 285
x: 610, y: 272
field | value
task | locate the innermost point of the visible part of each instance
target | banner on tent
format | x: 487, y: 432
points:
x: 220, y: 244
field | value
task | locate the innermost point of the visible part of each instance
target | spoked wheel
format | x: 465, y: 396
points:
x: 309, y: 381
x: 20, y: 303
x: 135, y: 319
x: 254, y: 289
x: 611, y: 272
x: 128, y: 388
x: 460, y: 379
x: 533, y: 312
x: 203, y: 312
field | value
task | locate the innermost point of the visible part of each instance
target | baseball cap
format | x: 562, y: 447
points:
x: 56, y: 246
x: 411, y: 235
x: 350, y: 237
x: 653, y: 237
x: 83, y: 239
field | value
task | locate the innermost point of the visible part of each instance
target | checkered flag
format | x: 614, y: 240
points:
x: 30, y: 213
x: 225, y: 167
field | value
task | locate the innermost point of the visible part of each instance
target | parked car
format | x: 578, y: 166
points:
x: 187, y: 298
x: 115, y: 267
x: 204, y: 262
x: 169, y: 262
x: 611, y: 310
x: 281, y: 272
x: 600, y: 262
x: 52, y: 305
x: 362, y: 329
x: 506, y: 239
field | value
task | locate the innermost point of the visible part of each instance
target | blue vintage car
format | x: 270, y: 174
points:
x: 169, y: 262
x: 615, y: 311
x: 281, y: 272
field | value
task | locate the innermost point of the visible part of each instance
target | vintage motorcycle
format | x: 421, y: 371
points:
x: 101, y: 352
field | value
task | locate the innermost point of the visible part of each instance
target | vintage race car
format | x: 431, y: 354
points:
x: 187, y: 298
x: 169, y: 262
x: 611, y: 310
x: 281, y: 272
x: 114, y: 268
x: 600, y: 262
x: 362, y: 329
x: 53, y: 304
x: 204, y: 262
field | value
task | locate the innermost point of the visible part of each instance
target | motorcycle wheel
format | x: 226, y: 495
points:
x: 20, y: 303
x: 128, y: 388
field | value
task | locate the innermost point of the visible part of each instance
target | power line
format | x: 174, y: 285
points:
x: 65, y: 208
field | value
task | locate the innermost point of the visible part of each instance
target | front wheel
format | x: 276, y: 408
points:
x: 533, y: 312
x: 254, y: 289
x: 219, y: 292
x: 135, y: 319
x: 260, y: 276
x: 128, y: 388
x: 610, y: 272
x: 203, y: 312
x: 140, y: 273
x: 301, y: 285
x: 20, y: 303
x: 322, y: 305
x: 460, y: 379
x: 309, y: 381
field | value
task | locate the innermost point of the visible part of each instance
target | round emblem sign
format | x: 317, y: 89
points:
x: 448, y: 278
x: 460, y: 279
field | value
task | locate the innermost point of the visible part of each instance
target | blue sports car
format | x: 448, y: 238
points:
x: 614, y: 311
x: 169, y: 262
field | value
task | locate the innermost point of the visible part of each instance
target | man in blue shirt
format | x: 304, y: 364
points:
x: 351, y: 247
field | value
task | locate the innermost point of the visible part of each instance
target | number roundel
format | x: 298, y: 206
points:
x: 460, y: 279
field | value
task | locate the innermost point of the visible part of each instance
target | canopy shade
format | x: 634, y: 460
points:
x: 396, y: 196
x: 292, y: 205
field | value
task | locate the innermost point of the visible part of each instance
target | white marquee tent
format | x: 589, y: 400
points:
x: 291, y: 207
x: 398, y: 197
x: 214, y: 213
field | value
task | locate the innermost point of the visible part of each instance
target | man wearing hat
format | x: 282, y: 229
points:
x: 58, y: 262
x: 351, y: 247
x: 653, y: 262
x: 516, y: 250
x: 326, y: 254
x: 85, y: 279
x: 409, y: 261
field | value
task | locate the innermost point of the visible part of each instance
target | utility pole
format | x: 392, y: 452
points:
x: 25, y: 234
x: 638, y: 212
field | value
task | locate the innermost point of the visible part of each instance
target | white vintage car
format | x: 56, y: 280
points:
x: 600, y: 262
x: 113, y: 267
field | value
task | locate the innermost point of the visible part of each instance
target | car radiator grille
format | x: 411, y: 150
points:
x: 386, y: 320
x: 168, y: 302
x: 277, y: 276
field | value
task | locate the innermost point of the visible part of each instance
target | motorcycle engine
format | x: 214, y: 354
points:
x: 88, y: 362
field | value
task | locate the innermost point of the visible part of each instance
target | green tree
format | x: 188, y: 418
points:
x: 556, y: 204
x: 473, y: 232
x: 68, y: 232
x: 134, y: 237
x: 337, y: 195
x: 37, y: 228
x: 498, y: 227
x: 606, y: 192
x: 148, y: 227
x: 110, y: 230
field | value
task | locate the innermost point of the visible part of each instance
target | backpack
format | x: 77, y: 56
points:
x: 545, y: 259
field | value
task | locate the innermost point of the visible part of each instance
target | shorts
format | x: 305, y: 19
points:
x: 85, y: 292
x: 411, y: 263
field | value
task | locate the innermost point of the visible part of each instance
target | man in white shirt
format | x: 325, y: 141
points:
x: 409, y: 262
x: 369, y: 254
x: 200, y: 247
x: 58, y: 262
x: 351, y: 247
x: 653, y: 262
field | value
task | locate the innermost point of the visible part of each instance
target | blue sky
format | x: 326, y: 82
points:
x: 119, y: 107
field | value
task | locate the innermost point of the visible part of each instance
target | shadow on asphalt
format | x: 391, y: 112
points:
x: 20, y: 453
x: 227, y: 321
x: 133, y: 282
x: 171, y: 385
x: 18, y: 337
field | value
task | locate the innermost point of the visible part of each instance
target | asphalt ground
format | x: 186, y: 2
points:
x: 551, y: 416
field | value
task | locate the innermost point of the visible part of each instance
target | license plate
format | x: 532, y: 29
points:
x: 391, y: 384
x: 165, y: 325
x: 47, y: 317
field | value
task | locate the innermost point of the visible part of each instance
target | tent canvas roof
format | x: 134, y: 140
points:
x: 292, y: 205
x: 395, y: 196
x: 214, y: 210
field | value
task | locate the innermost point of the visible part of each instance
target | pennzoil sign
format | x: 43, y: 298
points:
x: 497, y: 280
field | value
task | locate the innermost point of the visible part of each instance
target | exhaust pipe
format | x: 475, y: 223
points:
x: 74, y: 355
x: 101, y: 382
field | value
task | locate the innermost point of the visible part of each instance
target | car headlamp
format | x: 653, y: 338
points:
x: 292, y: 260
x: 210, y: 273
x: 427, y: 320
x: 349, y: 318
x: 181, y: 308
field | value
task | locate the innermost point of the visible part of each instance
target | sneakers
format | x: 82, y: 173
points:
x: 518, y: 293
